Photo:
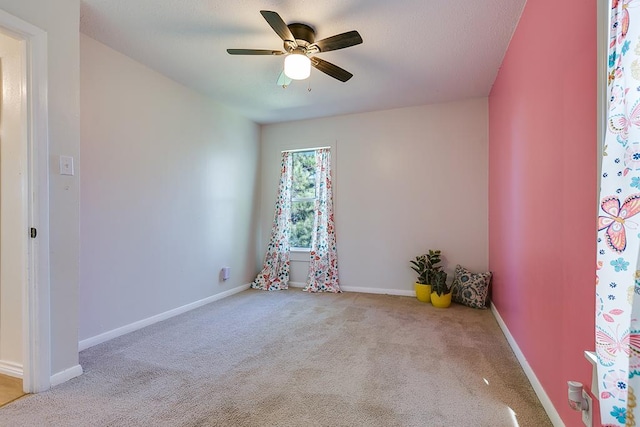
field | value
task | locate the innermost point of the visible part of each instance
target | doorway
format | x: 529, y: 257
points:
x: 24, y: 259
x: 13, y: 206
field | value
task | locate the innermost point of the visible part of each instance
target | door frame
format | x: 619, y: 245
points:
x: 36, y: 335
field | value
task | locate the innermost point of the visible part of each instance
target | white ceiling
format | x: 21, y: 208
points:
x: 415, y: 52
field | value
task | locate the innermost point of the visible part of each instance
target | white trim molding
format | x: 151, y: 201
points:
x: 398, y: 292
x: 297, y: 284
x: 593, y: 359
x: 66, y: 375
x: 11, y: 369
x: 114, y: 333
x: 535, y: 383
x: 604, y: 21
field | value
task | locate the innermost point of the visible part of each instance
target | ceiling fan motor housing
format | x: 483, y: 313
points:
x: 304, y: 34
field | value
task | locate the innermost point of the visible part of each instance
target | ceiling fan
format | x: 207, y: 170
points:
x: 300, y: 48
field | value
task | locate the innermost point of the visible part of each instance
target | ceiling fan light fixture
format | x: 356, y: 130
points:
x: 297, y: 66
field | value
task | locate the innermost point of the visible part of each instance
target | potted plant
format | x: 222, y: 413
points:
x: 423, y: 290
x: 440, y: 290
x: 425, y: 266
x: 432, y: 258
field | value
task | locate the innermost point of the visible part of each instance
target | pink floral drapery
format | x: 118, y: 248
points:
x: 323, y: 264
x: 274, y: 275
x: 618, y: 279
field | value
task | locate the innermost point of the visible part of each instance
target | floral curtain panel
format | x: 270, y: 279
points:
x: 323, y: 265
x: 618, y: 279
x: 275, y: 270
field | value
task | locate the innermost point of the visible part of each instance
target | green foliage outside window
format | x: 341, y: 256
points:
x: 303, y: 195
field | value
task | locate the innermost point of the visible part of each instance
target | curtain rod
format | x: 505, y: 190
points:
x: 304, y: 149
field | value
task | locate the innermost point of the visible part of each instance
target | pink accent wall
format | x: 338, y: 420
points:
x: 542, y: 192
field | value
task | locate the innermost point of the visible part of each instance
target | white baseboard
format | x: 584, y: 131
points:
x: 404, y: 293
x: 11, y: 369
x: 297, y: 284
x: 398, y: 292
x: 114, y: 333
x: 537, y: 387
x: 66, y: 375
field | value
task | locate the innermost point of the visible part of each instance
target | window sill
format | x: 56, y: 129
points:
x: 299, y: 255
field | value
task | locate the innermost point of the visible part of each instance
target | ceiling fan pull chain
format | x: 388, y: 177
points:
x: 309, y: 88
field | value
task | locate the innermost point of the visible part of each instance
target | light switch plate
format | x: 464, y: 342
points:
x: 66, y: 165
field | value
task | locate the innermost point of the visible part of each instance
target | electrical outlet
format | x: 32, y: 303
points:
x: 587, y: 414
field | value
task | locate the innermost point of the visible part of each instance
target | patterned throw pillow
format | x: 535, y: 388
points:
x: 469, y: 288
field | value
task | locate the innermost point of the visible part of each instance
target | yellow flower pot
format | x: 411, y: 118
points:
x: 423, y: 292
x: 442, y: 301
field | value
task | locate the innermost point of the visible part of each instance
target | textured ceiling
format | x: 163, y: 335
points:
x: 414, y: 52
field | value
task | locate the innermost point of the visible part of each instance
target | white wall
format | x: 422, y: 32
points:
x: 406, y: 180
x: 168, y: 193
x: 60, y: 19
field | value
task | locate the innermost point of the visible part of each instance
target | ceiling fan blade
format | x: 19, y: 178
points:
x: 254, y: 52
x: 331, y: 69
x: 278, y: 25
x: 283, y: 80
x: 339, y: 41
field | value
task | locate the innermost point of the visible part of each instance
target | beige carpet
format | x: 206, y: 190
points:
x: 294, y: 359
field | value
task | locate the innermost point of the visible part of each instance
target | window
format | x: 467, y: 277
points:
x: 303, y: 197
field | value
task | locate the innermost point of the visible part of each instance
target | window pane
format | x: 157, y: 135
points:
x: 304, y: 175
x: 301, y: 224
